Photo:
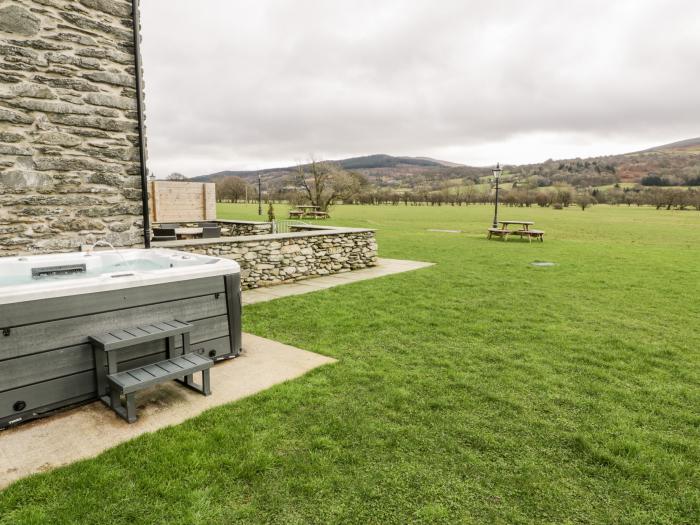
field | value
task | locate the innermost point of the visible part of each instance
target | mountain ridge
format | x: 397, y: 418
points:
x: 379, y: 160
x: 675, y: 162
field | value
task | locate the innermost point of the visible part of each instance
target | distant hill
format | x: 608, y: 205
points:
x: 692, y: 145
x: 369, y: 162
x: 442, y: 162
x: 677, y: 163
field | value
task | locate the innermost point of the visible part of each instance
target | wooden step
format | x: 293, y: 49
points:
x: 117, y: 339
x: 142, y: 377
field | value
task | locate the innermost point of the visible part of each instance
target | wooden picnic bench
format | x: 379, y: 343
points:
x: 524, y: 231
x: 497, y: 232
x: 308, y: 212
x: 111, y: 383
x: 531, y: 234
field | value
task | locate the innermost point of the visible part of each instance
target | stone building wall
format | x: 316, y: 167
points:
x: 267, y: 260
x: 69, y: 150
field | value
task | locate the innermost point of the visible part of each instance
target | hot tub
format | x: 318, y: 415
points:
x: 50, y: 304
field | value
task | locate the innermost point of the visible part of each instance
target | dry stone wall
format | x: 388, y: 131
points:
x: 237, y: 228
x: 69, y: 157
x: 267, y: 260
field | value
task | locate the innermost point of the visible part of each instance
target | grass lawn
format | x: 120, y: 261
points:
x: 480, y: 390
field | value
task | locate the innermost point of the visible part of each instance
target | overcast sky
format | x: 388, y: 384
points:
x: 247, y: 84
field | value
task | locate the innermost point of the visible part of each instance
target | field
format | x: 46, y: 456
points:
x: 480, y: 390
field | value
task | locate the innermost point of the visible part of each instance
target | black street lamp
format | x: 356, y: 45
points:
x: 259, y: 196
x: 496, y: 175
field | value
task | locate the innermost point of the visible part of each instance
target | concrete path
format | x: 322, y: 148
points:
x: 85, y: 431
x: 49, y: 443
x: 384, y: 267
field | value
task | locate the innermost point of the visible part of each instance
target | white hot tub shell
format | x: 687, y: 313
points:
x: 51, y: 304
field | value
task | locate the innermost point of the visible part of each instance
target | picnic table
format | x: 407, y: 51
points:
x: 524, y: 224
x: 306, y: 211
x: 524, y: 231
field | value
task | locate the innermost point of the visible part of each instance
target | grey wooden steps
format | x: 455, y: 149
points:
x: 117, y: 339
x: 145, y: 376
x: 112, y: 384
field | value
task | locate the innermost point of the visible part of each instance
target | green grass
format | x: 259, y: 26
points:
x: 480, y: 390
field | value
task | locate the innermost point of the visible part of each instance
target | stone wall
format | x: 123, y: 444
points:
x: 267, y: 260
x: 69, y: 150
x: 239, y: 228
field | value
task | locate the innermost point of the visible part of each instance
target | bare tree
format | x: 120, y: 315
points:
x: 175, y: 176
x: 564, y: 195
x: 584, y: 200
x: 694, y: 198
x: 230, y: 188
x: 313, y: 180
x: 324, y: 182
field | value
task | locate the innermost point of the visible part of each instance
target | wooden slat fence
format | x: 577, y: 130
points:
x: 171, y: 201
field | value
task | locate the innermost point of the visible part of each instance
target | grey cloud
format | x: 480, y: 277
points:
x: 234, y: 84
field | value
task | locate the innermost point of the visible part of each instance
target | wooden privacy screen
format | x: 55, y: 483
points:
x: 170, y: 201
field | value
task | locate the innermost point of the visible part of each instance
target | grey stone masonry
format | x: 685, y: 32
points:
x: 69, y: 149
x: 267, y: 260
x: 237, y: 228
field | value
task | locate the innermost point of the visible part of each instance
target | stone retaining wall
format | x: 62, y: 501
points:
x: 267, y: 260
x: 69, y: 151
x: 238, y: 228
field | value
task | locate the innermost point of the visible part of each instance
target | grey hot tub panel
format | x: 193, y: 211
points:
x: 46, y: 361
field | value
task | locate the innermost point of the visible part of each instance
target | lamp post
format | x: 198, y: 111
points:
x: 259, y: 195
x: 496, y: 175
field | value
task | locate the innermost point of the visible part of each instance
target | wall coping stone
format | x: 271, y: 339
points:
x: 323, y: 230
x: 223, y: 221
x: 231, y: 221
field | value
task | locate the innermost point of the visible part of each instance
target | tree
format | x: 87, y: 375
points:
x: 175, y: 176
x: 350, y: 185
x: 315, y: 181
x: 694, y: 198
x: 270, y: 212
x: 654, y: 180
x: 564, y: 196
x: 584, y: 200
x: 542, y: 199
x: 230, y: 188
x: 656, y: 197
x: 325, y: 182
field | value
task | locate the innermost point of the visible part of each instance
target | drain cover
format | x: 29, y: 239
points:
x: 543, y: 263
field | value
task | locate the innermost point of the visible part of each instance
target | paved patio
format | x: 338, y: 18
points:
x: 384, y: 267
x: 48, y: 443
